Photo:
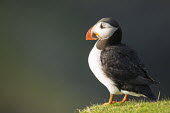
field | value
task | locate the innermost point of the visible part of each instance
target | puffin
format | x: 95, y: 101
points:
x: 116, y: 65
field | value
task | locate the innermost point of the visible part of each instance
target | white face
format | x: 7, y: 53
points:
x: 103, y: 30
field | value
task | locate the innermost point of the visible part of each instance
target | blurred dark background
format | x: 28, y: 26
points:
x: 43, y: 51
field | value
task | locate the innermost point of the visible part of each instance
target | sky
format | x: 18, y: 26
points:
x: 44, y: 53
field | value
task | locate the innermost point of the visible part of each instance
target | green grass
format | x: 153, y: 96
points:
x: 132, y: 106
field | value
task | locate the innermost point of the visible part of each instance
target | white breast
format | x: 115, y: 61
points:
x: 96, y: 67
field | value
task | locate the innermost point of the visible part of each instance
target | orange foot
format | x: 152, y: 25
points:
x: 107, y: 103
x: 120, y: 102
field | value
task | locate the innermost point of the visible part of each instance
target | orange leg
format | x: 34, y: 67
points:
x: 124, y: 99
x: 110, y: 100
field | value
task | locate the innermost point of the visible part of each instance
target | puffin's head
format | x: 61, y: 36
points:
x: 104, y: 29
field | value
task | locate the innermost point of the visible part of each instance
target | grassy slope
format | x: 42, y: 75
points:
x: 131, y: 107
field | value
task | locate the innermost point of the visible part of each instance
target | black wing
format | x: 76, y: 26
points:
x: 122, y: 63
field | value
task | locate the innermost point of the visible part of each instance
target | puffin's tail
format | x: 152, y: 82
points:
x: 151, y: 96
x: 146, y: 90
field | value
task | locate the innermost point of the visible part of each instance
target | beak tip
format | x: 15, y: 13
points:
x: 88, y: 35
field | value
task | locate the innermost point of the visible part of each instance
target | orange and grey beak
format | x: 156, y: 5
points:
x: 89, y: 35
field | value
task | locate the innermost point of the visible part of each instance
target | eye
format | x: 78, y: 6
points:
x: 105, y: 25
x: 101, y: 26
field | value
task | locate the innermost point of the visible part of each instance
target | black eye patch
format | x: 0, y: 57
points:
x: 102, y: 27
